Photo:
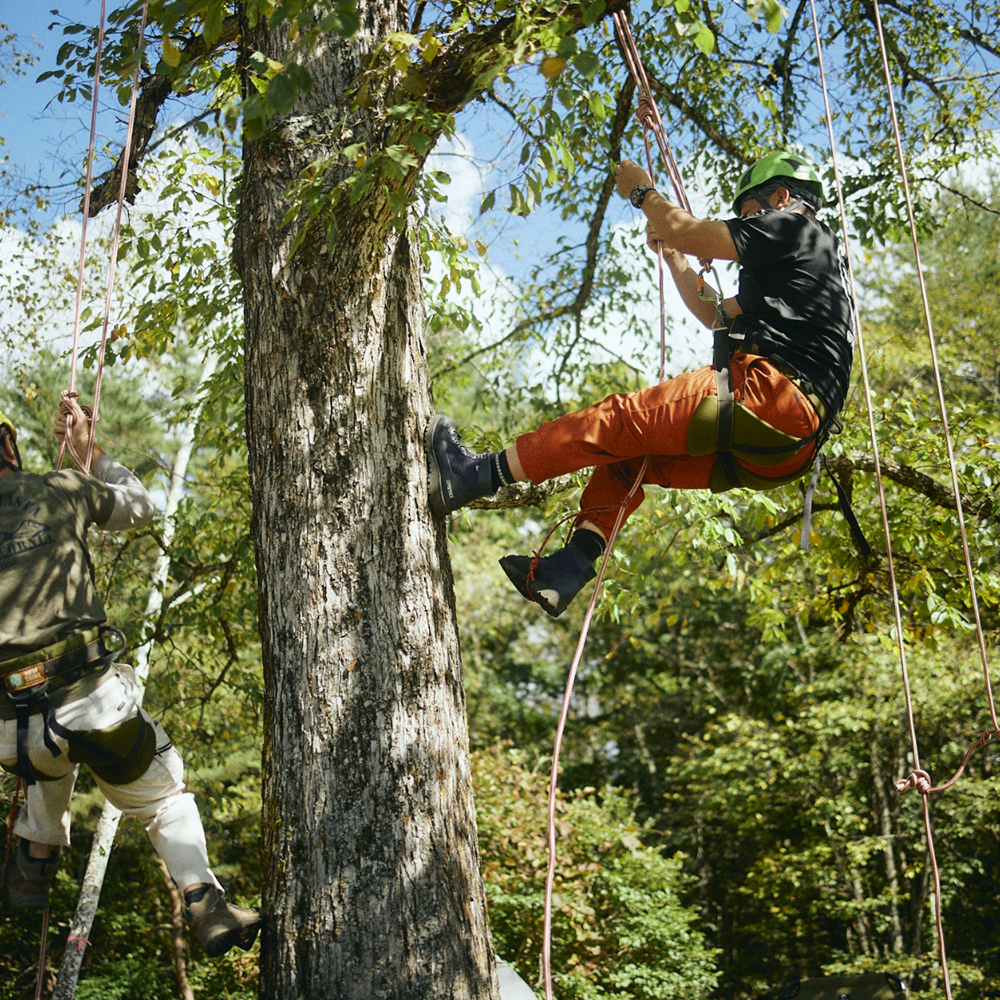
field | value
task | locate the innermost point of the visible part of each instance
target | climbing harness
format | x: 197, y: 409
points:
x: 735, y: 427
x: 730, y: 336
x: 117, y: 755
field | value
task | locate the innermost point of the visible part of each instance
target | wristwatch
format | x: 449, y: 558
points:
x: 638, y: 193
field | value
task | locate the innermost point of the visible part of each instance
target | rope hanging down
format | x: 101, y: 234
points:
x: 651, y: 122
x: 84, y: 461
x: 93, y: 412
x: 918, y: 778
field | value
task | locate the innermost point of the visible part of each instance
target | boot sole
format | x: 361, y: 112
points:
x: 519, y: 578
x: 435, y: 494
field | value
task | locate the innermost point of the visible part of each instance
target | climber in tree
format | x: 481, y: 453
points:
x: 65, y: 701
x: 786, y: 351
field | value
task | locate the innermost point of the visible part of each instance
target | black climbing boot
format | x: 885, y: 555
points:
x: 556, y: 580
x: 456, y: 476
x: 29, y: 880
x: 219, y: 925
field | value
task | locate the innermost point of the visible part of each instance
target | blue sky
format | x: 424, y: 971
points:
x: 43, y: 137
x: 48, y: 142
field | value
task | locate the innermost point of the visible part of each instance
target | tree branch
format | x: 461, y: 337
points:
x: 846, y: 465
x: 153, y: 94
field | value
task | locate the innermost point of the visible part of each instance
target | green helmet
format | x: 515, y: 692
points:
x: 5, y: 422
x: 803, y: 181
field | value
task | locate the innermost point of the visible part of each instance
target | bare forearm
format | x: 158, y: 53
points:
x: 705, y: 239
x: 686, y: 279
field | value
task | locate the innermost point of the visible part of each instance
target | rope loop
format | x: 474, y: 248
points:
x: 646, y: 113
x: 920, y: 780
x: 81, y: 943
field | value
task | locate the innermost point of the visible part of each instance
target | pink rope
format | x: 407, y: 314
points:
x: 83, y: 233
x: 561, y: 728
x: 918, y: 779
x: 115, y: 240
x: 43, y: 950
x: 651, y: 122
x: 942, y: 406
x: 81, y: 943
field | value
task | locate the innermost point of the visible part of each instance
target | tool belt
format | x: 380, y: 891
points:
x: 24, y: 677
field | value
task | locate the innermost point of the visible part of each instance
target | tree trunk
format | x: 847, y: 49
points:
x: 372, y: 880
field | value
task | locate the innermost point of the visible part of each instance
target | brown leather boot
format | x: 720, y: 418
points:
x: 219, y: 925
x: 29, y: 880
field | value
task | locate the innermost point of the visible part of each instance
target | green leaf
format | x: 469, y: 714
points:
x: 281, y: 94
x: 705, y: 39
x: 300, y: 76
x: 421, y: 142
x: 593, y: 12
x: 213, y: 23
x: 587, y: 64
x: 568, y: 46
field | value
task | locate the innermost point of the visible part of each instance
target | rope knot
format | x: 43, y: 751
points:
x: 920, y: 780
x: 645, y: 112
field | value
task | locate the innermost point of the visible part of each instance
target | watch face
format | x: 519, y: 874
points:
x: 638, y: 194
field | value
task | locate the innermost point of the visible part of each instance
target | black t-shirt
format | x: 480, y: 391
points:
x: 795, y: 296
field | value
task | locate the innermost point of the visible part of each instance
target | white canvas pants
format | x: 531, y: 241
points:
x: 157, y: 798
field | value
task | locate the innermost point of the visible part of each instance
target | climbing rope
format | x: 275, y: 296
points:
x: 65, y: 407
x: 918, y: 778
x: 93, y: 412
x: 651, y: 123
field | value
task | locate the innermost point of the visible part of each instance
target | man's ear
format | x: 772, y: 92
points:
x: 783, y: 198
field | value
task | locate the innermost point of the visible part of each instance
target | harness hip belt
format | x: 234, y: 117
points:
x: 119, y: 754
x: 733, y: 476
x: 55, y: 665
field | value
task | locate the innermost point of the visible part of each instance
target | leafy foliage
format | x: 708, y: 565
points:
x: 618, y: 925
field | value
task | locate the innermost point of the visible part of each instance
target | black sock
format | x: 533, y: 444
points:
x: 500, y: 473
x: 589, y: 542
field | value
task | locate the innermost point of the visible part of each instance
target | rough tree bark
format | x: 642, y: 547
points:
x: 372, y: 876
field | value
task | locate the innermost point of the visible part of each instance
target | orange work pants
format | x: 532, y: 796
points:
x: 614, y: 435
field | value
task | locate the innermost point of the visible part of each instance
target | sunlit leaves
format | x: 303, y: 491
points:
x: 773, y: 13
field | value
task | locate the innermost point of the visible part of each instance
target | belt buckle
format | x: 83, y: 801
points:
x: 24, y: 694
